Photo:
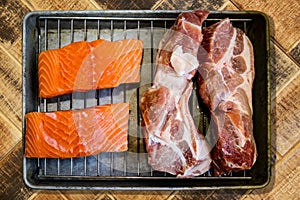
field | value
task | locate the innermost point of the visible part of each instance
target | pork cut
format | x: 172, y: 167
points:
x: 226, y: 76
x: 173, y: 143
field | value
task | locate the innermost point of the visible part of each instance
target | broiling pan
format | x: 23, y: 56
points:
x: 129, y: 170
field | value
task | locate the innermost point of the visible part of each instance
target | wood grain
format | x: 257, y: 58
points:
x: 12, y: 185
x: 189, y: 5
x: 10, y: 88
x: 286, y: 181
x: 49, y: 195
x: 285, y: 15
x: 295, y: 53
x: 145, y: 195
x: 84, y: 194
x: 61, y: 5
x: 9, y: 135
x: 189, y: 195
x: 229, y: 6
x: 11, y: 16
x: 126, y: 5
x: 282, y: 69
x: 15, y: 50
x: 208, y: 194
x: 104, y: 197
x: 286, y: 116
x: 227, y: 194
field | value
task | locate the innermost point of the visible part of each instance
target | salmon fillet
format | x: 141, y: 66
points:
x: 83, y: 66
x: 75, y: 133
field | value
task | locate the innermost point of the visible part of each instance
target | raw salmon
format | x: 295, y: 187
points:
x: 83, y: 66
x: 75, y: 133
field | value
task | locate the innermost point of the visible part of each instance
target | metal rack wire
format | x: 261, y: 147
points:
x: 55, y: 32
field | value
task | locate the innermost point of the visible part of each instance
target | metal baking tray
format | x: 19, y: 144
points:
x: 129, y: 170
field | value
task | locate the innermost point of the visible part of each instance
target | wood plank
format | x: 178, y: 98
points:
x: 49, y: 195
x: 284, y: 15
x: 157, y: 4
x: 145, y: 195
x: 11, y: 182
x: 15, y: 50
x: 9, y: 136
x: 60, y: 5
x: 263, y: 192
x: 227, y: 194
x: 10, y: 88
x: 295, y: 52
x: 286, y: 116
x: 126, y: 5
x: 11, y: 16
x: 83, y: 194
x: 105, y: 196
x: 189, y: 195
x: 229, y: 6
x: 286, y: 180
x: 282, y: 69
x: 189, y: 5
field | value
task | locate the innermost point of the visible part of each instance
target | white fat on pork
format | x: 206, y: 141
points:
x: 173, y: 143
x: 183, y: 63
x: 226, y: 86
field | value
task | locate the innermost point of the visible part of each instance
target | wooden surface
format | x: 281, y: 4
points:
x: 285, y: 83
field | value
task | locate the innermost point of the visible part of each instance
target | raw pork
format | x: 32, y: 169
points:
x: 173, y: 143
x: 226, y: 77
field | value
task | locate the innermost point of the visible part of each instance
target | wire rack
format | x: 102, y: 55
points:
x: 55, y: 32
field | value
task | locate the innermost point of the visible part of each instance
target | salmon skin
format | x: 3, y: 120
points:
x: 83, y: 66
x: 76, y: 133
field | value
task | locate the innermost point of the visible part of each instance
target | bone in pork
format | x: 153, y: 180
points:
x: 226, y: 77
x: 173, y: 142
